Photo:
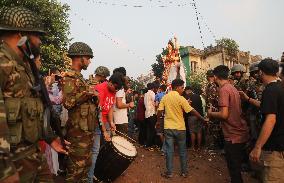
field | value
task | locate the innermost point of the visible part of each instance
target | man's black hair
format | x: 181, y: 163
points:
x: 176, y: 83
x: 188, y: 88
x: 156, y: 85
x: 221, y: 72
x: 121, y: 70
x: 150, y: 86
x: 269, y: 66
x: 117, y: 78
x: 163, y: 87
x: 143, y: 91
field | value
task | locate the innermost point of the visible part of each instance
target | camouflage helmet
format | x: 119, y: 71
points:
x: 237, y: 68
x: 102, y: 71
x: 80, y: 49
x: 209, y: 73
x: 254, y: 66
x: 19, y: 19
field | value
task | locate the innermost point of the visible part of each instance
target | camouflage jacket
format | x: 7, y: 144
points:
x: 252, y: 87
x: 24, y: 108
x: 241, y: 85
x: 21, y: 111
x: 211, y: 95
x: 82, y: 109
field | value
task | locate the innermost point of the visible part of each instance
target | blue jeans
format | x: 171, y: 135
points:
x: 180, y: 137
x: 96, y: 150
x: 164, y: 150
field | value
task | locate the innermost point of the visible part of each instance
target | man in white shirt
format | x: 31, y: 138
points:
x: 150, y: 114
x: 120, y: 111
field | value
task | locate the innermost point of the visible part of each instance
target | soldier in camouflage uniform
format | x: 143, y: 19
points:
x: 101, y: 74
x: 253, y: 89
x: 21, y: 108
x: 81, y: 104
x: 239, y: 76
x: 211, y: 98
x: 241, y: 81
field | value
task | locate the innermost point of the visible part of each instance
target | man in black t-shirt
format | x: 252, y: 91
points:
x: 193, y: 124
x: 271, y: 137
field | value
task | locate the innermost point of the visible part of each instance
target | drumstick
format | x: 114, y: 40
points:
x: 125, y: 136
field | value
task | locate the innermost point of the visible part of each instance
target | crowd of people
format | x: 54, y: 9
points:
x: 244, y: 119
x: 231, y: 100
x: 242, y: 115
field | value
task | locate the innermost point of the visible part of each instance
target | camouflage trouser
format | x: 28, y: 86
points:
x: 79, y: 160
x: 215, y: 131
x: 32, y: 168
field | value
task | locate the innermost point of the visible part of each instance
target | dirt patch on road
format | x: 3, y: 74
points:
x: 204, y: 167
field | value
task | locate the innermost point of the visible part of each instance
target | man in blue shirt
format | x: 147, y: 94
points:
x: 160, y: 130
x: 160, y: 94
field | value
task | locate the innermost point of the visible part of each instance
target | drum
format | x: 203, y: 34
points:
x: 114, y: 158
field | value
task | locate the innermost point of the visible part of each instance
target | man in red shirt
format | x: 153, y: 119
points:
x: 235, y: 128
x: 107, y: 91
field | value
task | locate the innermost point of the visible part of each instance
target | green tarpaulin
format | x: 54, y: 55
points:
x: 184, y: 54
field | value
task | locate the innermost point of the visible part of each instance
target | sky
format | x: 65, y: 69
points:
x: 135, y: 35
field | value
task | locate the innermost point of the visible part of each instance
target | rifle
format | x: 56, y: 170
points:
x: 51, y: 118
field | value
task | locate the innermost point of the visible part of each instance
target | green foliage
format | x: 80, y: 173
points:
x: 54, y: 16
x: 136, y: 85
x: 158, y: 67
x: 198, y: 80
x: 229, y: 44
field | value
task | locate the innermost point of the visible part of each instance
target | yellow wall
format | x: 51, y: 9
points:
x: 214, y: 60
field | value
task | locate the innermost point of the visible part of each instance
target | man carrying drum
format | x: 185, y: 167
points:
x: 107, y: 91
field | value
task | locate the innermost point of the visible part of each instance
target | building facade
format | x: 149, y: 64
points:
x: 210, y: 57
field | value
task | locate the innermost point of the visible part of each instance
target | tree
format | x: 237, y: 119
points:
x: 229, y: 44
x: 54, y: 16
x: 145, y: 79
x: 197, y: 80
x: 136, y: 85
x: 158, y: 67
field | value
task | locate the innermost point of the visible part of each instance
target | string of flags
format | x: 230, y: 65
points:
x: 160, y: 4
x: 107, y: 36
x: 198, y: 23
x: 193, y: 4
x: 150, y: 3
